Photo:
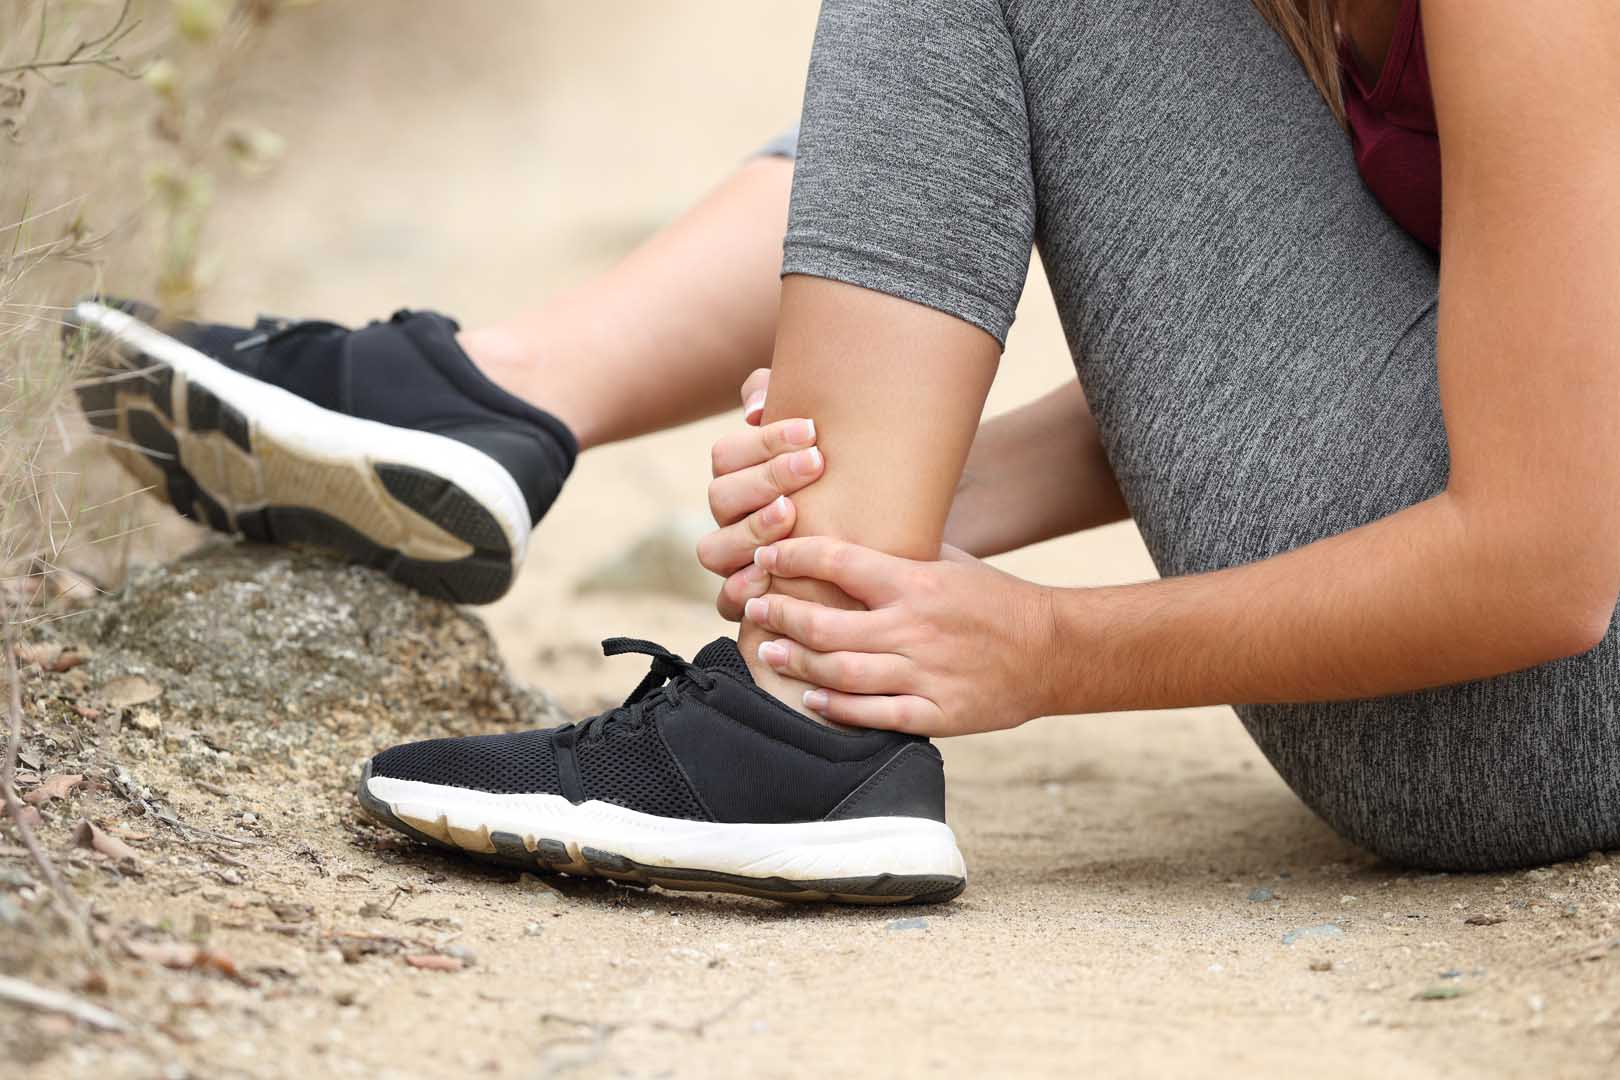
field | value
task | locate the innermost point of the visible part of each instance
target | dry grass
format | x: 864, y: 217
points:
x: 113, y: 123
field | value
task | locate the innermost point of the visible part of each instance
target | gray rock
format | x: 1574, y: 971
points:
x: 913, y: 923
x: 1324, y: 931
x: 1261, y: 894
x: 274, y: 651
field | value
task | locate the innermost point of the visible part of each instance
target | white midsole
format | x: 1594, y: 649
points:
x: 800, y: 851
x: 321, y: 434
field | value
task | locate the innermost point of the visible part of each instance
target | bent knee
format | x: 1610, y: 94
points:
x: 1433, y: 791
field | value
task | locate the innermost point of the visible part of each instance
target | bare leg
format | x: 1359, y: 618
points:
x: 667, y: 335
x: 896, y: 390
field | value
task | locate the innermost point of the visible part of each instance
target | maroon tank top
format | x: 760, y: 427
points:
x: 1393, y: 132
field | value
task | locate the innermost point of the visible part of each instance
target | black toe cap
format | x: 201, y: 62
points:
x: 524, y: 762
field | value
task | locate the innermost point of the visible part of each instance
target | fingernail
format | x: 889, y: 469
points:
x: 777, y: 511
x: 816, y: 700
x: 801, y: 432
x: 806, y: 462
x: 765, y: 557
x: 773, y: 653
x: 754, y: 404
x: 755, y: 610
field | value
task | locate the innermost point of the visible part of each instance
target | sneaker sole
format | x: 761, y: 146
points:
x: 249, y: 458
x: 884, y: 860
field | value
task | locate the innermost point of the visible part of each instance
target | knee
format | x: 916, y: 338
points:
x: 1436, y: 792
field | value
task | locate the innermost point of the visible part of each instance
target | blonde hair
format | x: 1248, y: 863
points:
x: 1311, y: 30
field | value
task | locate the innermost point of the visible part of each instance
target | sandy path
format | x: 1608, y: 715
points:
x: 470, y: 157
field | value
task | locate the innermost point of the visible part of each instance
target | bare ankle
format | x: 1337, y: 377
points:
x: 789, y: 692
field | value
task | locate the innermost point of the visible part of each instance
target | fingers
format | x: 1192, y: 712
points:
x: 823, y: 629
x: 740, y: 449
x: 852, y: 672
x: 753, y: 394
x: 907, y: 712
x: 740, y: 588
x: 734, y: 496
x: 726, y: 551
x: 866, y: 575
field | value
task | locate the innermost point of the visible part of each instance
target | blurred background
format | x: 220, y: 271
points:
x: 473, y: 159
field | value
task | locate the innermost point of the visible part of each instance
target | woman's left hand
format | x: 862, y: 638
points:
x: 945, y: 648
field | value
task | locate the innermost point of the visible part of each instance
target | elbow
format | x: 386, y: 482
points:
x: 1571, y: 614
x: 1555, y: 574
x: 1591, y: 624
x: 1581, y: 633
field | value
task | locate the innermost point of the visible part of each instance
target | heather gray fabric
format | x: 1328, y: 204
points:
x: 1256, y: 338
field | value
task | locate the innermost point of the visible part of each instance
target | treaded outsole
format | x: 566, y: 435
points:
x: 138, y: 406
x: 550, y: 856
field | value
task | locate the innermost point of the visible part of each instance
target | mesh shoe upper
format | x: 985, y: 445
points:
x: 696, y: 741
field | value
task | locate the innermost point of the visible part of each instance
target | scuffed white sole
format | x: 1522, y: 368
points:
x: 860, y: 860
x: 249, y: 457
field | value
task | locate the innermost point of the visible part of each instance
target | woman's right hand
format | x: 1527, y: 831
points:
x: 755, y: 472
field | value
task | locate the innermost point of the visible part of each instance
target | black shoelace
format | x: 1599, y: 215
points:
x: 662, y: 686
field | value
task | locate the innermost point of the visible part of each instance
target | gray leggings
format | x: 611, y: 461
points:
x: 1255, y: 337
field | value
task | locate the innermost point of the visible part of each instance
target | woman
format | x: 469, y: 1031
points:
x: 1384, y: 498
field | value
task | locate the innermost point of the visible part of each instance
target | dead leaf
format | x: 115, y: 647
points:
x: 66, y: 660
x: 183, y: 957
x: 434, y: 962
x: 171, y: 954
x: 129, y: 691
x: 1484, y: 920
x: 86, y: 711
x: 30, y: 817
x: 34, y: 654
x: 59, y: 786
x: 89, y: 836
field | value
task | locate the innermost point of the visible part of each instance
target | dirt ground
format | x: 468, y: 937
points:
x: 1146, y: 897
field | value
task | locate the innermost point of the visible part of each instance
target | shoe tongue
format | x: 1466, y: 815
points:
x: 721, y: 655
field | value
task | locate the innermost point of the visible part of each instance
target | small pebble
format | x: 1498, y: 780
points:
x: 913, y: 923
x: 1261, y: 894
x: 1326, y: 930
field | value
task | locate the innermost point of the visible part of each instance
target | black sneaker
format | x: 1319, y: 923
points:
x: 700, y: 780
x: 386, y: 444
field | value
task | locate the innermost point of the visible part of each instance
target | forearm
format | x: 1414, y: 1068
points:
x: 1425, y: 597
x: 1034, y: 473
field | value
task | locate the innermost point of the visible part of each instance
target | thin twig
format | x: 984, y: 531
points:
x: 38, y: 997
x: 14, y: 806
x: 94, y: 52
